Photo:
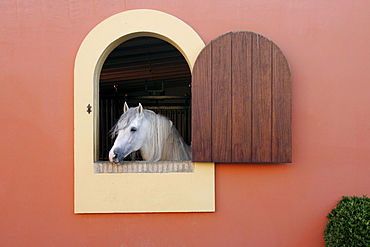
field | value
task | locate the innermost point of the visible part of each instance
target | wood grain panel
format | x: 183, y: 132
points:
x: 261, y: 99
x: 221, y: 99
x: 281, y: 109
x: 202, y: 107
x: 241, y: 97
x: 241, y: 101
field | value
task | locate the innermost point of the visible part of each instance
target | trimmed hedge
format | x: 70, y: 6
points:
x: 349, y: 223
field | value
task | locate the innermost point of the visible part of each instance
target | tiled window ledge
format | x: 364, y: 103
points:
x: 144, y: 167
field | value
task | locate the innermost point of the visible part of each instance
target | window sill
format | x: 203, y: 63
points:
x: 144, y: 167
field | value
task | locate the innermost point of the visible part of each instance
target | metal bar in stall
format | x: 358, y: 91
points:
x: 107, y: 120
x: 101, y: 131
x: 111, y: 123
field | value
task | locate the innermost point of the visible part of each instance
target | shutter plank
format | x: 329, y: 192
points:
x: 261, y: 99
x: 221, y: 98
x: 281, y: 111
x: 241, y: 97
x: 202, y: 108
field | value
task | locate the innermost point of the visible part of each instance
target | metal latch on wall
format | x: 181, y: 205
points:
x: 89, y: 108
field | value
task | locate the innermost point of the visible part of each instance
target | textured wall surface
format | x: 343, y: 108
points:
x: 327, y: 46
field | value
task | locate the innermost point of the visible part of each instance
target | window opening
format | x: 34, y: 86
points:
x: 149, y: 71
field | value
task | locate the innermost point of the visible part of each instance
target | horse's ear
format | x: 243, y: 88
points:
x: 140, y: 109
x: 125, y: 107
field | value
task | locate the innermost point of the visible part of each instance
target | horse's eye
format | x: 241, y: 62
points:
x: 133, y: 129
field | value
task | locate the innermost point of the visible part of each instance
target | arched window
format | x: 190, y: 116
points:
x: 131, y: 191
x: 149, y: 71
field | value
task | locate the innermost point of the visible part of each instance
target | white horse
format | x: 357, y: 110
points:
x: 152, y: 134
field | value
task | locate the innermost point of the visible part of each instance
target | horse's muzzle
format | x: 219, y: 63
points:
x: 116, y: 156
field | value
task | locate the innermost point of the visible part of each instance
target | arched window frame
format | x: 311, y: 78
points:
x: 130, y: 192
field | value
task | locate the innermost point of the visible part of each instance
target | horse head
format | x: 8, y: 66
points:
x: 131, y: 131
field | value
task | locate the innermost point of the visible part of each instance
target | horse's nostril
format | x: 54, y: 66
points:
x: 117, y: 156
x: 113, y: 156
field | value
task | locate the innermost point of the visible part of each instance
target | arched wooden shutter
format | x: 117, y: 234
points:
x: 241, y: 101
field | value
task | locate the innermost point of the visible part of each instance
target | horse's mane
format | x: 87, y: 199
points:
x: 164, y: 141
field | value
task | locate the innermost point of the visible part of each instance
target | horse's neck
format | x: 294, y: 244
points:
x: 175, y: 148
x: 150, y: 151
x: 147, y: 154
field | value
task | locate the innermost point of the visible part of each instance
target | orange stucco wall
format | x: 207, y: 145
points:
x: 327, y: 44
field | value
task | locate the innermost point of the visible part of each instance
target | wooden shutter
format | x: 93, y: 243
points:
x: 241, y: 101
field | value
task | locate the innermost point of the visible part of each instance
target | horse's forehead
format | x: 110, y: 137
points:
x: 135, y: 121
x: 129, y: 118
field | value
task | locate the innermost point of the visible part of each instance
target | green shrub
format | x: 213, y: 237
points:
x: 349, y: 223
